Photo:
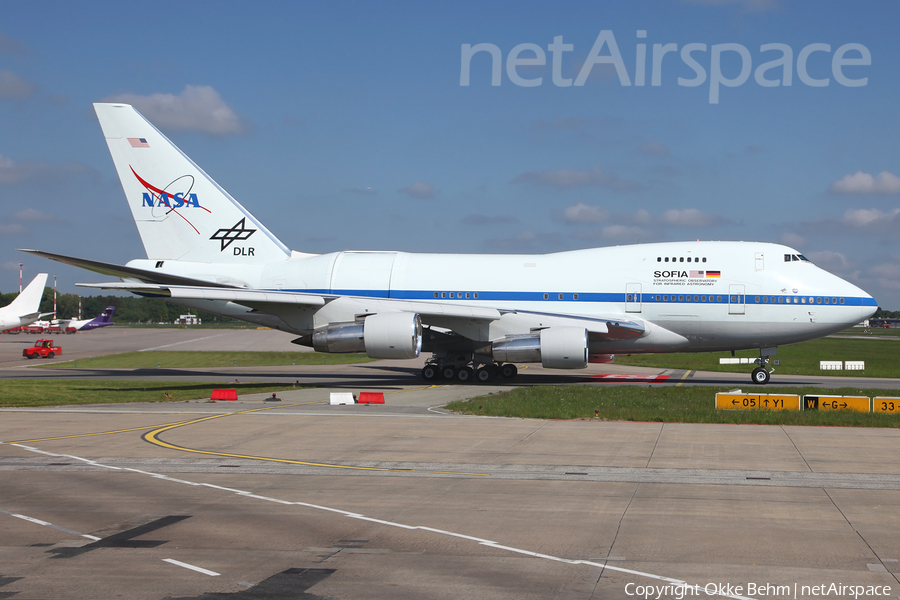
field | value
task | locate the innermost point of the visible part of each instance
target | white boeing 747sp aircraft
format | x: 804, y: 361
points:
x: 26, y: 308
x: 477, y: 314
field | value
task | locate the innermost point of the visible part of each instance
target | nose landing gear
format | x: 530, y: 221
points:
x: 763, y: 372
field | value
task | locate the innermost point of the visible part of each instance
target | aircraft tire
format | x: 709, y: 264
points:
x: 448, y: 372
x: 430, y: 372
x: 508, y: 370
x: 465, y: 375
x: 485, y: 373
x: 760, y: 376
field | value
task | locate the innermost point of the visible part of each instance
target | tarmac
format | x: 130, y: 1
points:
x: 299, y: 499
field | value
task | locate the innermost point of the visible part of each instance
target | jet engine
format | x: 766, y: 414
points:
x: 383, y: 335
x: 554, y: 348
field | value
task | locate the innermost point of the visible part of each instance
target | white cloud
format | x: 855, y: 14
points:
x: 197, y: 108
x: 418, y: 189
x: 690, y: 217
x: 35, y: 216
x: 13, y: 86
x: 887, y: 275
x: 583, y: 213
x: 524, y: 241
x: 13, y: 172
x: 624, y: 233
x: 12, y: 229
x: 569, y: 178
x: 834, y: 262
x: 793, y: 240
x: 865, y: 183
x: 869, y: 217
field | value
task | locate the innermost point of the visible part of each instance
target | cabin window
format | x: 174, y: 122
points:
x: 476, y: 295
x: 467, y: 295
x: 546, y: 296
x: 658, y: 297
x: 826, y: 300
x: 704, y: 259
x: 765, y: 299
x: 667, y: 259
x: 574, y: 296
x: 443, y: 294
x: 681, y: 259
x: 696, y: 298
x: 780, y: 299
x: 842, y: 300
x: 665, y: 297
x: 560, y: 296
x: 718, y: 298
x: 658, y: 259
x: 818, y: 300
x: 702, y: 298
x: 680, y: 298
x: 834, y: 300
x: 803, y: 300
x: 757, y: 299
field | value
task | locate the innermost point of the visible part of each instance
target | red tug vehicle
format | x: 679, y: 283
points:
x: 42, y: 349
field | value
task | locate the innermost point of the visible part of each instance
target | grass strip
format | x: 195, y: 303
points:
x: 662, y: 404
x: 30, y: 393
x: 882, y: 358
x: 186, y: 360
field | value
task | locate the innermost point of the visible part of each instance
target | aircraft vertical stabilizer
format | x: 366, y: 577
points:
x: 181, y: 212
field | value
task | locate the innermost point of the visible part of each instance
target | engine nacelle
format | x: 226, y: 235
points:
x: 383, y: 335
x: 554, y: 348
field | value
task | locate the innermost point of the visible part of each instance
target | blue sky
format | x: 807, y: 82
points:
x: 344, y: 125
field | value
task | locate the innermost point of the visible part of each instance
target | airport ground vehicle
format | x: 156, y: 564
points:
x: 42, y: 349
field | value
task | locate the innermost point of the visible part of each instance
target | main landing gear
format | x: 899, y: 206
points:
x: 466, y: 370
x: 762, y: 373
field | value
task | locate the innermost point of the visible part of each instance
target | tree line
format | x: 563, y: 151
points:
x: 129, y: 309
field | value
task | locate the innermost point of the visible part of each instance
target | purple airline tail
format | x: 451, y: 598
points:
x: 102, y: 320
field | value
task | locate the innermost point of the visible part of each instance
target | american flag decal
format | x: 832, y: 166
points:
x: 138, y: 143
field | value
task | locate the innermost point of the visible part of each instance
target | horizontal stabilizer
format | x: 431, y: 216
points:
x: 123, y: 271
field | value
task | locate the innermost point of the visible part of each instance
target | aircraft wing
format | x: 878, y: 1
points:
x: 462, y: 318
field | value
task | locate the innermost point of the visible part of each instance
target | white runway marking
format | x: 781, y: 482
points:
x: 184, y: 342
x: 172, y: 561
x: 46, y: 524
x: 484, y: 542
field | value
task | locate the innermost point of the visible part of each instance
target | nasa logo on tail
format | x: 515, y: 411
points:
x: 236, y: 233
x: 161, y: 202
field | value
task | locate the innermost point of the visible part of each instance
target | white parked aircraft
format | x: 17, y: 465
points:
x: 477, y: 314
x: 25, y: 309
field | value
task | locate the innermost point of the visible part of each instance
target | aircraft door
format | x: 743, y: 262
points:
x: 633, y: 297
x: 735, y: 299
x: 759, y: 261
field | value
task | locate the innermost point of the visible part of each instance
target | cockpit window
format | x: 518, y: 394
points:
x: 795, y: 258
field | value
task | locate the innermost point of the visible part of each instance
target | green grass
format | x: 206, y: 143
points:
x: 187, y: 360
x: 662, y: 404
x: 882, y: 358
x: 29, y: 392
